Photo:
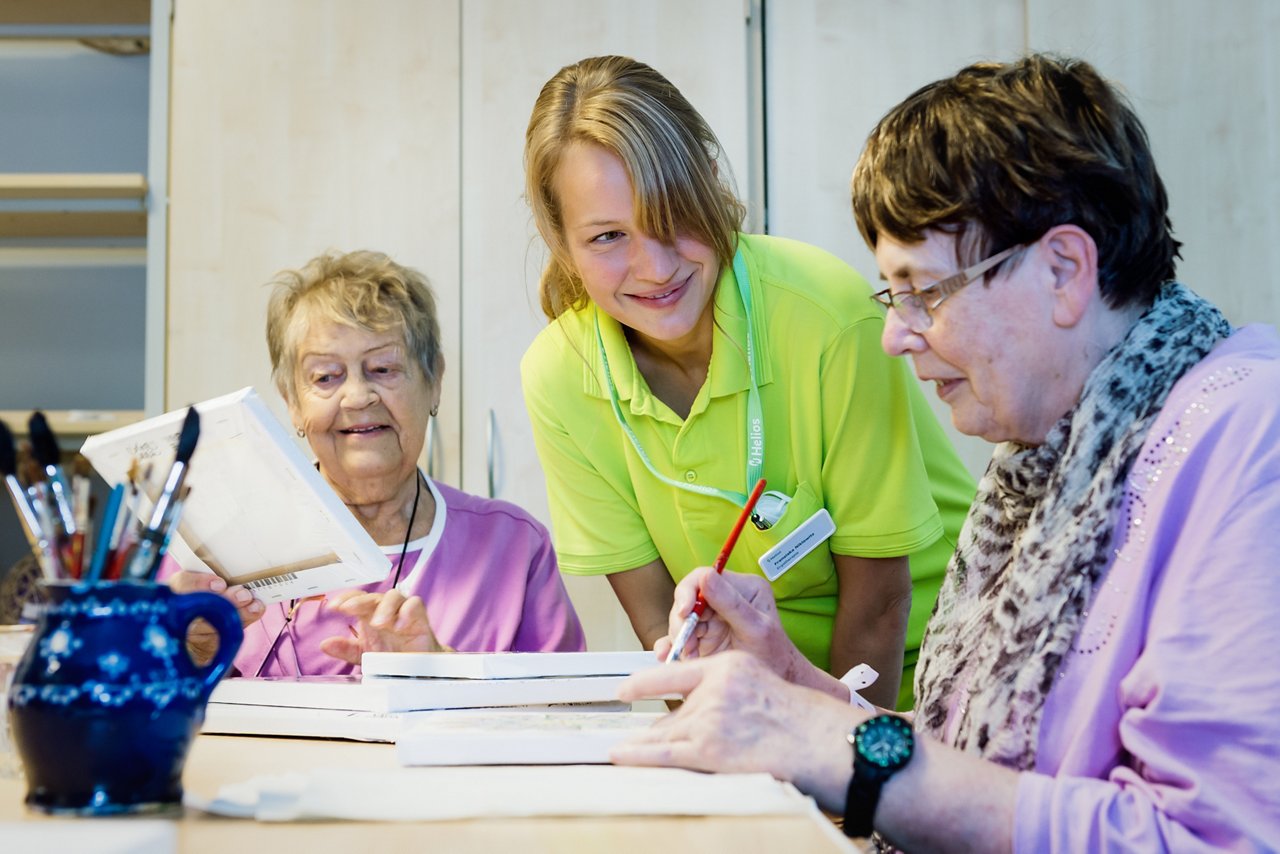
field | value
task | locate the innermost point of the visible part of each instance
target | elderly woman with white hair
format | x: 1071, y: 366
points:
x: 355, y: 352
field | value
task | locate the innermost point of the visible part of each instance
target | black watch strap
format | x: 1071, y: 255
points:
x: 882, y: 746
x: 860, y: 803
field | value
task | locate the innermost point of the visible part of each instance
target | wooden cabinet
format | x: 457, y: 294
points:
x: 1199, y: 79
x: 74, y: 81
x: 299, y: 127
x: 74, y: 91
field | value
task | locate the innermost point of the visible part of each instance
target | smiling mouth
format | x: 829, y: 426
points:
x: 667, y: 296
x: 364, y: 430
x: 663, y: 295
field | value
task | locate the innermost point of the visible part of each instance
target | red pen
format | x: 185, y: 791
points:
x: 700, y: 604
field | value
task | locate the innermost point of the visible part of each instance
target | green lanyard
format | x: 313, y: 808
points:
x: 755, y: 416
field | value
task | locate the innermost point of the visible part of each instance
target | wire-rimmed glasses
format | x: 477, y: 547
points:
x: 916, y: 307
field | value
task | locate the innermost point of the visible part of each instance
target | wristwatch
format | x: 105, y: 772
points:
x: 882, y: 746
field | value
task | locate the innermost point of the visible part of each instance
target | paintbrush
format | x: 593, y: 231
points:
x: 123, y: 536
x: 155, y: 538
x: 40, y: 543
x: 44, y: 446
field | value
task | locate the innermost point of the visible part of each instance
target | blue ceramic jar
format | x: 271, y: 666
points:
x: 106, y: 701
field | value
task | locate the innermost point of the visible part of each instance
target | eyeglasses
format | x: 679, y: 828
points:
x: 916, y: 307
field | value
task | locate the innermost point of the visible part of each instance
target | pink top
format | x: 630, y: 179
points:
x: 488, y: 576
x: 1163, y: 729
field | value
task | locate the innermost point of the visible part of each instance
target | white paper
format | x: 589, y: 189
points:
x: 440, y: 794
x: 259, y: 513
x: 91, y: 836
x: 504, y: 665
x: 516, y: 737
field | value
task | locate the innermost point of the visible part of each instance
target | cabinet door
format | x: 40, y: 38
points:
x: 834, y: 69
x: 1214, y: 127
x: 509, y: 49
x: 299, y: 126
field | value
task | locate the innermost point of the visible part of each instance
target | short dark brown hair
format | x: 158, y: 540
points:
x: 1002, y: 152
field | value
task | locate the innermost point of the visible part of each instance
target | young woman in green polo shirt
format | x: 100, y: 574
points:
x: 686, y: 360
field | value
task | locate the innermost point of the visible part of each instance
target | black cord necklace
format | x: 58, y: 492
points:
x: 413, y: 515
x: 293, y: 603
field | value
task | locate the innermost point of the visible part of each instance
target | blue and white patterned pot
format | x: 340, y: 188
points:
x: 106, y: 700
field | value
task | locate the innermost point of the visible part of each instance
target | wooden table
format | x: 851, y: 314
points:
x: 218, y: 760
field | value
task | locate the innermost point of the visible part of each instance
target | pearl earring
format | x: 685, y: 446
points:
x: 435, y: 410
x: 301, y: 433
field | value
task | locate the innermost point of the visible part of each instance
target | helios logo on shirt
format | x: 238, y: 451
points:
x: 755, y: 449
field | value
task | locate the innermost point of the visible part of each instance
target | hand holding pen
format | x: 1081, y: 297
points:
x: 741, y: 614
x: 700, y: 604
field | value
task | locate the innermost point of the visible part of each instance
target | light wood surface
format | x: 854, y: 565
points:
x: 70, y: 205
x: 219, y: 760
x: 73, y: 223
x: 73, y: 185
x: 72, y: 422
x: 75, y: 12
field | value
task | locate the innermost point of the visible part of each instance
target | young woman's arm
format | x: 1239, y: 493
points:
x: 645, y: 593
x: 871, y: 621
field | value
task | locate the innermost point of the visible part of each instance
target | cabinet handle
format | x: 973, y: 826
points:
x: 431, y: 449
x: 490, y: 439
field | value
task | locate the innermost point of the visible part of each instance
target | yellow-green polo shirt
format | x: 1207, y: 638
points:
x: 845, y: 428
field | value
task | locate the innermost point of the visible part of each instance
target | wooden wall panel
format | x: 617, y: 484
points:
x: 1205, y: 80
x: 299, y: 126
x: 833, y: 68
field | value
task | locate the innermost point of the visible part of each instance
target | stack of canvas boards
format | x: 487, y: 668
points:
x: 557, y: 707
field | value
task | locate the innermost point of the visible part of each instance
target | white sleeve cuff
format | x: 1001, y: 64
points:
x: 857, y: 679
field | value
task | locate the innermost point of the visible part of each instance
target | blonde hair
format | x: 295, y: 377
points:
x: 362, y: 289
x: 680, y: 184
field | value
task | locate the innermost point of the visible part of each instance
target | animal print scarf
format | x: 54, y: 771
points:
x: 1037, y: 539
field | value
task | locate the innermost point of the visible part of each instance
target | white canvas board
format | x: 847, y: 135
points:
x: 259, y: 513
x: 504, y: 665
x: 408, y: 695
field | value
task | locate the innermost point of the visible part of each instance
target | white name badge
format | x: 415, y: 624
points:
x: 794, y: 546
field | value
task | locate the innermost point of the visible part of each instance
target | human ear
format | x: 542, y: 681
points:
x: 1073, y: 264
x: 295, y: 415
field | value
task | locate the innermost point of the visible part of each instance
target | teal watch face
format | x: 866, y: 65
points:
x: 885, y: 741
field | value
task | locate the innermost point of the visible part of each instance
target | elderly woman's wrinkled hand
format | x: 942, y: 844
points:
x: 740, y: 716
x: 741, y: 614
x: 381, y: 622
x: 202, y: 640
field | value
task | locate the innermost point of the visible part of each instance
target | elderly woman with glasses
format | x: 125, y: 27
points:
x: 1094, y: 677
x: 355, y: 352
